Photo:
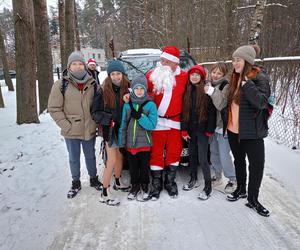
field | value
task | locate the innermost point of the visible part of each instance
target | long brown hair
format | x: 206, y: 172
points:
x: 109, y: 94
x: 201, y: 101
x: 234, y: 88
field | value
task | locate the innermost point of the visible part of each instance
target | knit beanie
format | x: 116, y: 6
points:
x: 199, y: 70
x: 75, y: 56
x: 115, y: 65
x: 139, y: 81
x: 246, y: 52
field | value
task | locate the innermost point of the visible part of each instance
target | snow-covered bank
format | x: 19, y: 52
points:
x: 35, y: 213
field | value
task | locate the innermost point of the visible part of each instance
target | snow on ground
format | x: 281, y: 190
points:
x: 35, y: 213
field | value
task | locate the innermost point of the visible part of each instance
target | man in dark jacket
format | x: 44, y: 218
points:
x: 91, y: 65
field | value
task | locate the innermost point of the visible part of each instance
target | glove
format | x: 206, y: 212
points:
x: 136, y: 114
x: 185, y: 135
x: 208, y: 134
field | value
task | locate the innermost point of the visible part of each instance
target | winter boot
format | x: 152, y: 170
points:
x: 94, y: 182
x: 119, y: 185
x: 76, y: 186
x: 256, y: 206
x: 193, y: 183
x: 107, y: 198
x: 143, y: 194
x: 157, y: 183
x: 239, y: 192
x: 170, y: 184
x: 135, y: 188
x: 206, y: 192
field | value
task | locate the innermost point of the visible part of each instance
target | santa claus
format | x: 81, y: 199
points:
x: 166, y: 83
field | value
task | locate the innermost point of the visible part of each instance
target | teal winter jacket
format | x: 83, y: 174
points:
x: 136, y: 133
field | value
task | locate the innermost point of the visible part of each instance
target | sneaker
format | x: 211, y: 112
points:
x: 238, y: 193
x: 259, y: 208
x: 119, y: 185
x: 108, y: 199
x: 230, y: 187
x: 143, y: 195
x: 193, y: 183
x: 206, y: 192
x: 94, y: 182
x: 217, y: 182
x: 133, y: 192
x: 76, y: 187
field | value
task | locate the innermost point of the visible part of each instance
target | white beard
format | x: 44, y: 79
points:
x: 163, y: 78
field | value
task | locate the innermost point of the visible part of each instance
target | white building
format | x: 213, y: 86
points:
x: 98, y: 54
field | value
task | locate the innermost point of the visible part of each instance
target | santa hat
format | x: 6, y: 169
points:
x: 92, y: 61
x: 171, y: 53
x: 199, y: 70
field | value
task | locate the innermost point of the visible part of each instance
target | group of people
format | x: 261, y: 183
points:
x: 146, y: 120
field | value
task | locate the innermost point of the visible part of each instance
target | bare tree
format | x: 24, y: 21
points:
x: 25, y: 61
x: 77, y: 40
x: 257, y: 21
x: 62, y: 34
x: 7, y: 78
x: 44, y: 57
x: 69, y: 28
x: 1, y: 99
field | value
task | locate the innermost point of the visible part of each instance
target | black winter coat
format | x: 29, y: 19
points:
x: 104, y: 116
x: 253, y: 112
x: 194, y: 126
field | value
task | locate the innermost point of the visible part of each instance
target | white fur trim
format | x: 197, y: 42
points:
x: 166, y: 124
x: 175, y: 163
x: 170, y: 57
x: 165, y: 102
x: 210, y: 90
x: 154, y: 167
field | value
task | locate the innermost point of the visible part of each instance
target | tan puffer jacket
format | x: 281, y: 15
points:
x: 72, y: 112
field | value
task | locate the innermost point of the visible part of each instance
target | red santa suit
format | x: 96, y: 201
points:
x: 167, y: 142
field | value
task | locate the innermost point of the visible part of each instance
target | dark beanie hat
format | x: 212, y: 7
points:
x: 115, y: 66
x: 139, y: 80
x: 246, y: 52
x: 75, y: 56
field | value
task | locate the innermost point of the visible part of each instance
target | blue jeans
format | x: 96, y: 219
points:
x: 220, y: 157
x: 73, y: 146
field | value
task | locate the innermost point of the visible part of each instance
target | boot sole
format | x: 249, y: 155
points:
x: 236, y: 199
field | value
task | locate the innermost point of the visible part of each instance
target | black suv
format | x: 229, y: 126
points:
x: 142, y: 61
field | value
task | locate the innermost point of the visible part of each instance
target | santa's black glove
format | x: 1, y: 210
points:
x: 136, y: 114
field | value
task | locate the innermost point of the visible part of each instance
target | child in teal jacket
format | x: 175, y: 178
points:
x: 139, y: 117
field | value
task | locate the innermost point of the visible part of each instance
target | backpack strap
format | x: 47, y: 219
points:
x: 223, y: 84
x: 64, y: 85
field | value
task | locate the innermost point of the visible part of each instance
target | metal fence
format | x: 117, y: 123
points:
x: 284, y: 73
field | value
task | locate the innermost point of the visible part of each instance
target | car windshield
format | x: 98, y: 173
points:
x: 135, y: 65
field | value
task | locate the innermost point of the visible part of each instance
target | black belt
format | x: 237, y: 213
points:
x: 169, y: 116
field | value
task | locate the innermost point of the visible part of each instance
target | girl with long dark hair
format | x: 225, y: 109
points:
x: 197, y: 125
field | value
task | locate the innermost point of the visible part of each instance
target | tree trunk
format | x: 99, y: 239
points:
x: 257, y: 21
x: 229, y: 32
x: 7, y: 78
x: 44, y: 57
x: 1, y: 99
x: 25, y: 61
x: 62, y: 33
x: 70, y: 33
x: 77, y: 40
